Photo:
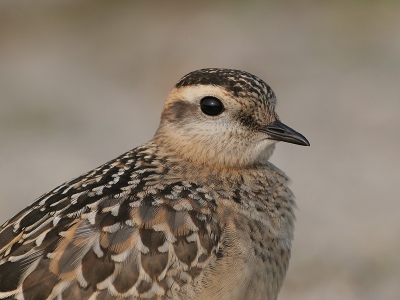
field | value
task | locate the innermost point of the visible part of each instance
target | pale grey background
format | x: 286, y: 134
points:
x: 83, y: 81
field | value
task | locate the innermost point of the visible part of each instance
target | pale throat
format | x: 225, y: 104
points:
x: 216, y: 151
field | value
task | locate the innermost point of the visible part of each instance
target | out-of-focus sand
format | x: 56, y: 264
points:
x: 83, y: 81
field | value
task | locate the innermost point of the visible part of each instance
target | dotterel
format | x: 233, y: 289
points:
x: 198, y: 212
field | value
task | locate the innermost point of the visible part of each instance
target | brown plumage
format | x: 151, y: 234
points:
x: 198, y: 212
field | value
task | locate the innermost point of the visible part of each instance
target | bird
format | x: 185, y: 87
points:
x: 197, y: 212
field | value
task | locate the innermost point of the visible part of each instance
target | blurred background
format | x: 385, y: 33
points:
x: 84, y: 81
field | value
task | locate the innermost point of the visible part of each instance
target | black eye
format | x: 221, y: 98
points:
x: 211, y: 106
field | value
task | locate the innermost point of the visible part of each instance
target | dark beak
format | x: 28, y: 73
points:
x: 280, y: 132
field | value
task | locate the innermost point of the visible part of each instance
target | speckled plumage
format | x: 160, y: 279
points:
x: 198, y: 212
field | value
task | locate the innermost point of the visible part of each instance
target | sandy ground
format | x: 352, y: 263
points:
x: 83, y: 81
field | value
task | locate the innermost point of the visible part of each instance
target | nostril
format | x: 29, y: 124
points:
x: 276, y: 130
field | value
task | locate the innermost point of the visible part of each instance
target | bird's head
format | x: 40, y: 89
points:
x: 223, y: 117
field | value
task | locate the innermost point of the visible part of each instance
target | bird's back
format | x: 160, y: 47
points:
x: 145, y: 225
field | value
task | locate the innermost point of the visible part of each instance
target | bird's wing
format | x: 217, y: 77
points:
x: 111, y: 233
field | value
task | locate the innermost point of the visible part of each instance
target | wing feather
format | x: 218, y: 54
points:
x: 119, y: 231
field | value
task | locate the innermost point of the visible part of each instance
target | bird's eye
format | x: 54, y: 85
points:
x: 211, y: 106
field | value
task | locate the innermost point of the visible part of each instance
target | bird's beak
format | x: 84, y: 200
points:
x: 280, y: 132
